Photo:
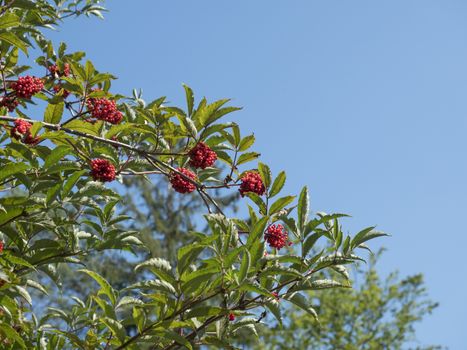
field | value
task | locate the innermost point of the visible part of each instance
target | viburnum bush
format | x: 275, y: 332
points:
x: 59, y: 202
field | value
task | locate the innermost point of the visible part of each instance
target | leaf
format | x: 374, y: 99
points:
x: 9, y: 20
x: 80, y: 125
x: 310, y: 242
x: 246, y: 143
x: 257, y: 231
x: 247, y: 157
x: 71, y: 181
x: 204, y: 311
x: 162, y: 286
x: 53, y: 113
x: 190, y: 100
x: 186, y: 255
x: 258, y: 201
x: 106, y: 288
x: 265, y: 173
x: 253, y: 288
x: 10, y: 333
x: 13, y: 39
x: 299, y: 300
x: 244, y: 267
x: 319, y: 284
x: 277, y: 185
x: 303, y: 208
x: 280, y: 204
x: 16, y: 260
x: 169, y: 334
x: 9, y: 215
x: 11, y: 169
x: 116, y: 327
x: 56, y: 155
x: 365, y: 235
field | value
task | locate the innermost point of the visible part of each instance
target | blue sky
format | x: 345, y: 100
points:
x: 363, y: 101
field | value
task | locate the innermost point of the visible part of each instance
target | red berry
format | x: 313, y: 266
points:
x: 251, y: 182
x: 20, y: 129
x: 180, y: 184
x: 231, y: 317
x: 276, y: 236
x: 30, y: 140
x: 54, y: 70
x: 9, y: 102
x: 104, y: 109
x: 66, y: 69
x: 1, y: 246
x: 57, y: 88
x: 202, y: 156
x: 26, y: 87
x: 276, y: 296
x: 102, y: 170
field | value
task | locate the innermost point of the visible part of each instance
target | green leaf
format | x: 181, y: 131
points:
x: 299, y: 300
x: 106, y: 288
x: 310, y: 242
x: 244, y: 267
x: 56, y: 155
x: 190, y: 100
x: 265, y: 173
x: 162, y: 286
x: 11, y: 334
x: 246, y: 143
x: 9, y: 20
x: 71, y: 181
x: 186, y: 255
x: 13, y: 39
x: 257, y: 231
x: 11, y: 169
x: 303, y: 208
x: 169, y: 334
x: 116, y: 327
x: 365, y: 235
x: 280, y: 204
x: 53, y: 113
x: 277, y: 185
x: 258, y: 201
x: 247, y: 157
x: 204, y: 311
x: 9, y: 215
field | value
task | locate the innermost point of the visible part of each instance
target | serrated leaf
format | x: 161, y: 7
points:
x: 56, y: 155
x: 265, y: 173
x: 280, y: 204
x: 277, y: 185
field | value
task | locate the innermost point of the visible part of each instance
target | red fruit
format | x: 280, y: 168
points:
x: 30, y: 140
x: 251, y: 182
x: 9, y: 102
x: 26, y: 87
x: 21, y: 128
x: 104, y: 109
x: 276, y: 236
x: 57, y: 88
x: 102, y: 170
x: 202, y: 156
x: 53, y: 69
x: 276, y: 296
x: 66, y: 69
x: 231, y: 317
x: 180, y: 184
x: 1, y: 246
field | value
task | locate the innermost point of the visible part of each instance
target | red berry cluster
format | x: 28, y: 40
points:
x: 1, y: 247
x: 57, y: 88
x: 21, y: 131
x: 102, y: 170
x: 202, y: 156
x: 180, y: 184
x: 251, y: 182
x: 54, y: 70
x: 104, y: 109
x: 276, y: 236
x: 9, y: 102
x: 231, y: 317
x: 26, y: 87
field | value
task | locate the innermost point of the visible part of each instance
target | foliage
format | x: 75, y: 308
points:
x: 56, y: 209
x: 375, y: 314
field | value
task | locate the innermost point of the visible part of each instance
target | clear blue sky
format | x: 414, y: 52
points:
x: 363, y: 101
